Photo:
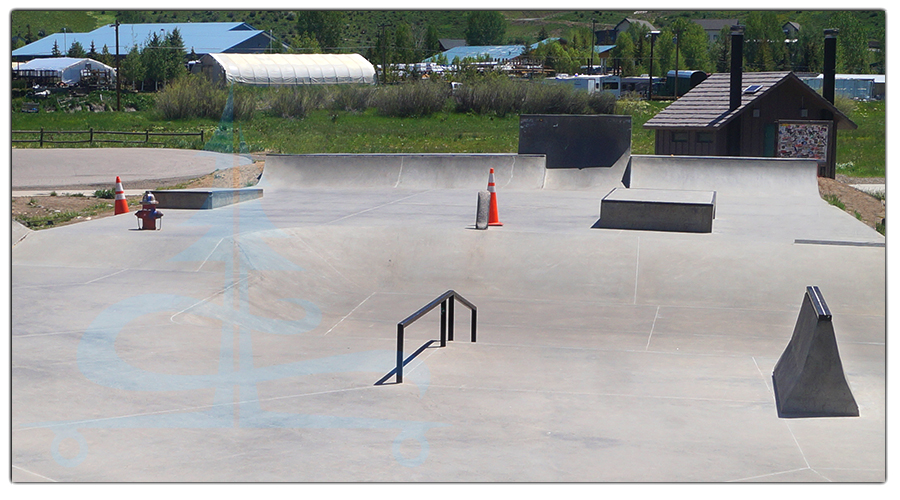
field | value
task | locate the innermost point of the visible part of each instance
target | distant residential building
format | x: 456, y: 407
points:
x: 713, y: 27
x: 791, y: 30
x: 609, y: 36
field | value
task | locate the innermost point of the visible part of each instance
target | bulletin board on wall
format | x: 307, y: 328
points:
x: 804, y: 139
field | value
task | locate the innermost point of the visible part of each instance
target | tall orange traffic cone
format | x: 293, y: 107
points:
x: 493, y: 215
x: 121, y: 202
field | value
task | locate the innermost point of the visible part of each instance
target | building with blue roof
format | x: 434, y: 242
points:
x: 500, y: 53
x: 201, y: 38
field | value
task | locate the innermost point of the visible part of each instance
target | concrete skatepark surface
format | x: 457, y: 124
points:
x: 244, y: 343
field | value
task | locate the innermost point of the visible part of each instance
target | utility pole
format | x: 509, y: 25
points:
x: 118, y: 82
x: 676, y: 65
x: 652, y: 35
x: 593, y: 41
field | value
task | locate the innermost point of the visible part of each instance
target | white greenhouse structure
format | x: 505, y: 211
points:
x: 67, y: 70
x: 286, y: 69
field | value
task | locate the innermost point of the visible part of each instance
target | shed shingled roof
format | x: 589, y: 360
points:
x: 706, y: 105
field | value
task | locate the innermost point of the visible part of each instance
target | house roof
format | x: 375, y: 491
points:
x: 449, y: 43
x: 203, y: 38
x: 706, y: 105
x: 631, y: 21
x: 493, y: 52
x: 715, y: 24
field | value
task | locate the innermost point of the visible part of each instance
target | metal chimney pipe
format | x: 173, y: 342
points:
x: 737, y: 66
x: 830, y: 64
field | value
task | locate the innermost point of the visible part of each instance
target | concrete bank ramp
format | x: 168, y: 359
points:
x: 792, y: 178
x: 413, y: 171
x: 433, y: 171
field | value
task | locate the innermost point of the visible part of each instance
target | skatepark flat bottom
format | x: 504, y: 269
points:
x: 245, y: 343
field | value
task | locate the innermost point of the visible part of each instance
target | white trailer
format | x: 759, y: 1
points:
x: 590, y: 83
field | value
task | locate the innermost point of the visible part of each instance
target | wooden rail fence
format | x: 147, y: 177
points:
x: 49, y: 136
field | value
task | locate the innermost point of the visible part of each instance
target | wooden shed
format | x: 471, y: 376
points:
x: 777, y: 116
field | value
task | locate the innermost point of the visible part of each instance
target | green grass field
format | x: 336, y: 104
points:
x: 861, y: 152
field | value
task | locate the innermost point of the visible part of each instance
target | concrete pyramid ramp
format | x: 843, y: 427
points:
x: 809, y: 378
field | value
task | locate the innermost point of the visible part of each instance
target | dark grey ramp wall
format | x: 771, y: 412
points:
x: 576, y: 141
x: 809, y: 377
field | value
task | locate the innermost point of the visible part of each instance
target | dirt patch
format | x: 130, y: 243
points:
x: 865, y: 207
x: 42, y: 212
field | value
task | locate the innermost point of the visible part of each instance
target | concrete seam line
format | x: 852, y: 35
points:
x: 207, y: 299
x: 652, y: 326
x: 512, y: 172
x: 349, y: 313
x: 399, y: 173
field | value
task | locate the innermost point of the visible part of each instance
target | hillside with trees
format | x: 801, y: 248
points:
x: 395, y: 37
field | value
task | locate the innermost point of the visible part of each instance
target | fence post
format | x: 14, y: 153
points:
x: 42, y: 137
x: 444, y: 323
x: 147, y: 136
x: 91, y: 138
x: 399, y: 369
x: 450, y: 319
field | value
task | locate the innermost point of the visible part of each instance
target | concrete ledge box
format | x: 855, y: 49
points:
x: 204, y: 199
x: 658, y: 210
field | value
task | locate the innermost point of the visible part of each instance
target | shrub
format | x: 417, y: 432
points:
x: 296, y: 101
x: 630, y: 104
x: 602, y: 103
x: 497, y: 96
x: 418, y: 99
x: 194, y: 96
x: 105, y: 193
x: 555, y: 99
x: 351, y: 97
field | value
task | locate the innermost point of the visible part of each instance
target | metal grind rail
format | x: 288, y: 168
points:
x: 449, y: 297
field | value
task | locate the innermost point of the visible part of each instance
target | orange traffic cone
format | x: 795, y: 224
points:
x: 121, y: 202
x: 493, y: 214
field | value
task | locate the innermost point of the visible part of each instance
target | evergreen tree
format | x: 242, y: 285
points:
x: 55, y: 50
x: 852, y: 44
x: 173, y: 55
x: 720, y: 51
x: 693, y: 47
x: 432, y: 41
x: 624, y: 54
x: 132, y: 68
x: 326, y: 26
x: 76, y: 50
x: 485, y: 27
x: 92, y: 53
x: 153, y: 60
x: 106, y: 57
x: 306, y: 44
x: 404, y: 45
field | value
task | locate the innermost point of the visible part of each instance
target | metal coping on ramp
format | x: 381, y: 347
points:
x: 204, y: 199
